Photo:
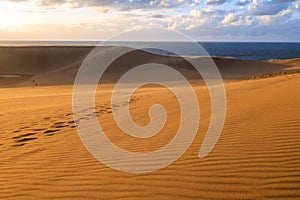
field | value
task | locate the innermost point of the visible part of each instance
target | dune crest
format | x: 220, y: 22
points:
x: 58, y: 65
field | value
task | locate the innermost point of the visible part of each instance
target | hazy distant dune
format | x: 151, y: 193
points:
x: 58, y: 65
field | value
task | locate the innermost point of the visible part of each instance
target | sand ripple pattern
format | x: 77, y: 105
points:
x: 257, y: 156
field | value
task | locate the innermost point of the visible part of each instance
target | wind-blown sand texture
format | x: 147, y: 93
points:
x: 41, y: 155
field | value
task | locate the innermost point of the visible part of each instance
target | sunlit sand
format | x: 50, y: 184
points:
x: 41, y: 154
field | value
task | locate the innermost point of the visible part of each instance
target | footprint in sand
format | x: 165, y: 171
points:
x: 59, y: 125
x: 72, y: 124
x: 47, y: 118
x: 51, y: 131
x: 39, y: 129
x: 80, y: 119
x: 18, y: 145
x: 132, y: 100
x: 25, y: 139
x: 22, y: 139
x: 21, y: 129
x: 25, y: 127
x: 23, y: 135
x: 87, y: 109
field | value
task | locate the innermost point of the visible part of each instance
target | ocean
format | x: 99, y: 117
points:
x: 240, y: 50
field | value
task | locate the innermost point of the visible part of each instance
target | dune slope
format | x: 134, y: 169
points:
x: 257, y: 156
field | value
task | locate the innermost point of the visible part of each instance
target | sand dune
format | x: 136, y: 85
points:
x: 257, y: 156
x: 58, y: 65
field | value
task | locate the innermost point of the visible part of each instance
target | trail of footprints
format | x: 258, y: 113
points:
x: 25, y: 134
x: 53, y: 125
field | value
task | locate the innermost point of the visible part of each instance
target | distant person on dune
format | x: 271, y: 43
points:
x: 35, y: 83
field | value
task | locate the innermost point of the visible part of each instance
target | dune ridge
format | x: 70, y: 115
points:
x: 58, y: 65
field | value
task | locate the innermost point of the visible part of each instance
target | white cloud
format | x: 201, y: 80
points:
x: 296, y: 4
x: 268, y: 7
x: 233, y: 19
x: 281, y: 17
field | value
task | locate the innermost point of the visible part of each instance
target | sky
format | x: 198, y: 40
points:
x: 203, y: 20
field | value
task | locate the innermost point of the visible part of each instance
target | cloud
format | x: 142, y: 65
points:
x: 243, y: 2
x: 215, y: 2
x: 296, y: 4
x: 233, y: 19
x: 281, y: 17
x: 17, y: 1
x: 249, y: 33
x: 118, y: 5
x: 196, y: 19
x: 50, y: 2
x: 263, y: 7
x: 158, y: 16
x: 236, y: 19
x: 166, y: 3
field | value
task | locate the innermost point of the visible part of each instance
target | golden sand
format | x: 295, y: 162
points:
x: 256, y: 157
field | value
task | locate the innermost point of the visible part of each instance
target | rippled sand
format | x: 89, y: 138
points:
x: 256, y: 157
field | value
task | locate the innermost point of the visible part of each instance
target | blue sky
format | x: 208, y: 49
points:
x: 204, y: 20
